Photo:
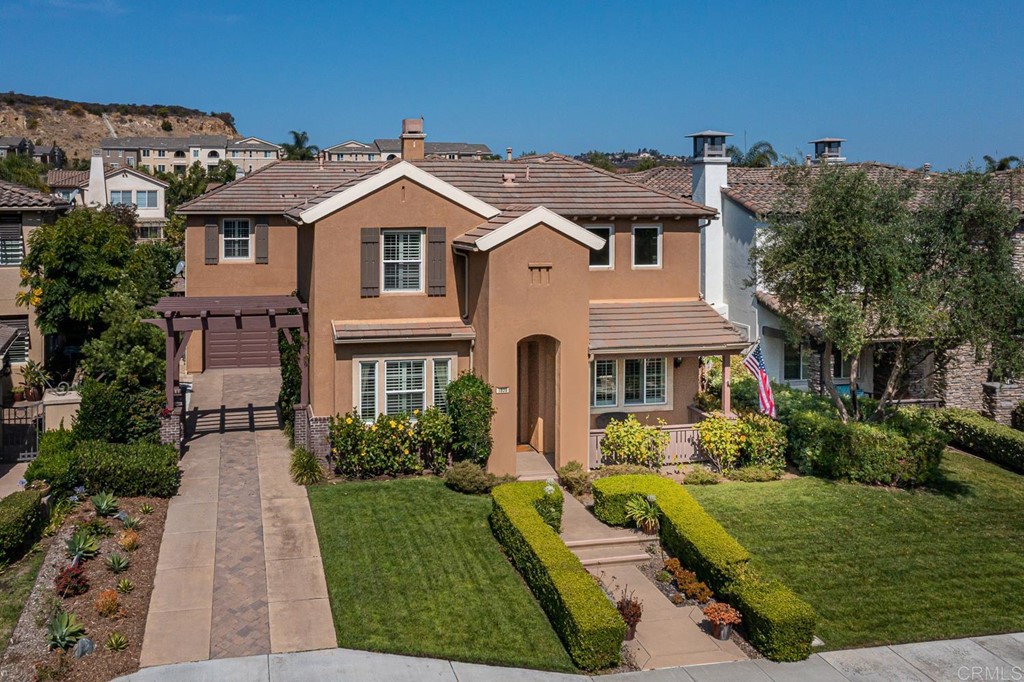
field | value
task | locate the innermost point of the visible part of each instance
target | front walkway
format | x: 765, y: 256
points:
x: 11, y: 475
x: 998, y: 657
x: 239, y: 572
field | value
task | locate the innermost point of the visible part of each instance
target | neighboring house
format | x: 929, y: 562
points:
x: 21, y: 210
x: 176, y: 154
x: 49, y: 154
x: 389, y: 150
x: 574, y: 292
x: 15, y: 145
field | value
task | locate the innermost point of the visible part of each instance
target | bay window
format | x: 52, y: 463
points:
x: 629, y: 382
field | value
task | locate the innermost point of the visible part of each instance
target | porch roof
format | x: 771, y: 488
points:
x: 671, y: 326
x: 203, y: 306
x: 391, y: 330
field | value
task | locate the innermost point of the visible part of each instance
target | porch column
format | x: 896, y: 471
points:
x: 304, y: 359
x: 171, y: 366
x: 726, y: 388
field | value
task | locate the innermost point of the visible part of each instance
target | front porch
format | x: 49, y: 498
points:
x: 683, y: 446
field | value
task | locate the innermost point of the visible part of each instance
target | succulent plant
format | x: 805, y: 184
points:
x: 128, y: 540
x: 117, y: 563
x: 82, y: 545
x: 104, y: 503
x: 131, y: 522
x: 146, y: 508
x: 64, y: 631
x: 71, y: 581
x: 125, y: 586
x: 107, y: 604
x: 116, y: 642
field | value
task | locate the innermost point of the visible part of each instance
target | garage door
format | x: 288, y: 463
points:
x: 227, y: 349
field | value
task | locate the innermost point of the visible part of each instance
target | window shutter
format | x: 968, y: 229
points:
x: 10, y: 234
x: 369, y: 285
x: 262, y: 246
x: 212, y: 244
x: 436, y: 261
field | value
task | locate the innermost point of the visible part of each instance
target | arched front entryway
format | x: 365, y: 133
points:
x: 537, y: 395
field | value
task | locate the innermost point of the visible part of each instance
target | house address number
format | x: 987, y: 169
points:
x: 502, y: 389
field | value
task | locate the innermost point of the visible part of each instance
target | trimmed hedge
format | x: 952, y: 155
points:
x: 55, y: 463
x: 984, y: 437
x: 585, y: 619
x: 22, y: 518
x: 138, y: 469
x: 779, y: 623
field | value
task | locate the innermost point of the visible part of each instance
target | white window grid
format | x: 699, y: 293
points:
x: 236, y: 239
x: 402, y: 259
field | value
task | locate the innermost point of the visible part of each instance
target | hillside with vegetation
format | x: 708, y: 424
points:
x: 78, y: 127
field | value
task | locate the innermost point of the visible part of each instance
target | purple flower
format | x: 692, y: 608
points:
x: 73, y: 498
x: 80, y: 490
x: 22, y: 482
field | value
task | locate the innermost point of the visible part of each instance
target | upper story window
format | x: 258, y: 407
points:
x: 145, y: 198
x: 644, y: 381
x: 604, y: 258
x: 123, y: 196
x: 195, y: 153
x: 145, y: 152
x: 236, y: 239
x: 234, y: 153
x: 371, y: 157
x: 18, y: 352
x: 268, y: 155
x: 402, y: 257
x: 12, y: 243
x: 647, y: 246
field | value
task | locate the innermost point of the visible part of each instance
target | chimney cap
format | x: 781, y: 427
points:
x: 412, y: 126
x: 710, y: 133
x: 828, y: 139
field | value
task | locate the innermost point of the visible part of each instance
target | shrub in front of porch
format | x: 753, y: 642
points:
x: 387, y: 447
x: 129, y: 470
x: 471, y: 407
x: 982, y: 436
x: 627, y: 441
x: 752, y: 440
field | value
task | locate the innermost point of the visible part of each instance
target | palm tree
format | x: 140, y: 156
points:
x: 299, y: 148
x: 760, y: 155
x: 1006, y: 163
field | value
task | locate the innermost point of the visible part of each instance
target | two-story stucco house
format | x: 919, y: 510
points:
x: 573, y: 292
x: 389, y: 149
x: 176, y: 154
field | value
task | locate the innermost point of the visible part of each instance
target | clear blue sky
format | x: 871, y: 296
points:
x: 905, y: 82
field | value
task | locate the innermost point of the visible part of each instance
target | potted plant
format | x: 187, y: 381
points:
x: 722, y: 617
x: 19, y: 393
x: 34, y: 377
x: 630, y: 608
x: 643, y: 512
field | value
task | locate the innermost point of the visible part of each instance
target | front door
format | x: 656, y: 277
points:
x: 536, y: 389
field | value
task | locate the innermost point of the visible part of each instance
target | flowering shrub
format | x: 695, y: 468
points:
x: 721, y: 439
x: 388, y: 447
x: 762, y: 441
x: 722, y: 614
x: 434, y: 429
x: 347, y: 433
x: 630, y: 442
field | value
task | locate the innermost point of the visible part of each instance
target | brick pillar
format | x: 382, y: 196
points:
x: 172, y: 428
x: 300, y: 429
x: 313, y: 433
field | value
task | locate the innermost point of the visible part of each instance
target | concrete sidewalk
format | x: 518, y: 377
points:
x: 997, y: 657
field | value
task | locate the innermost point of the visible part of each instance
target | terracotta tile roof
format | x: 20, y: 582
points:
x: 381, y: 331
x: 676, y: 180
x: 275, y: 188
x: 66, y: 178
x: 503, y: 218
x: 14, y: 196
x: 563, y: 185
x: 1012, y: 182
x: 669, y: 325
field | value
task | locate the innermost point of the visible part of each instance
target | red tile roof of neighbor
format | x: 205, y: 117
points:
x: 14, y: 196
x: 66, y: 178
x: 362, y: 331
x: 563, y: 185
x: 503, y: 218
x: 669, y: 325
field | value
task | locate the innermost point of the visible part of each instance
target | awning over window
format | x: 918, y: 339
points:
x: 382, y: 331
x: 668, y: 326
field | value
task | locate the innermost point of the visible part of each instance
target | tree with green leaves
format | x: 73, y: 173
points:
x: 761, y: 154
x: 22, y: 170
x: 299, y: 148
x: 993, y: 164
x: 851, y: 259
x: 599, y: 160
x: 182, y: 187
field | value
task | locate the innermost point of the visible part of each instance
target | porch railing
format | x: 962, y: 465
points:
x: 683, y: 445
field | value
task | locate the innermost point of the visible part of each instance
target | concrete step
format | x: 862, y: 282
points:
x: 538, y: 477
x: 632, y: 540
x: 610, y: 556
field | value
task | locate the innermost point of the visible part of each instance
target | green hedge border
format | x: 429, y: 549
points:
x: 22, y: 517
x: 780, y: 624
x: 585, y: 619
x: 982, y: 436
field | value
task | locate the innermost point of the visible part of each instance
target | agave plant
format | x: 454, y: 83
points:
x: 64, y: 631
x: 117, y: 563
x: 125, y: 586
x: 131, y: 522
x: 116, y: 642
x: 146, y: 508
x: 82, y: 545
x: 104, y: 503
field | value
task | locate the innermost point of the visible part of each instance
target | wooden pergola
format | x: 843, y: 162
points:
x: 182, y: 315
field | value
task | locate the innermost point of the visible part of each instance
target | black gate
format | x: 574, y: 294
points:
x: 22, y: 424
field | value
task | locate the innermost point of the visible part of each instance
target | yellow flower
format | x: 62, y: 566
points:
x: 392, y: 423
x: 348, y: 420
x: 373, y: 428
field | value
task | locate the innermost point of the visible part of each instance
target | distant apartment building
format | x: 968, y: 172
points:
x: 176, y: 154
x: 391, y: 149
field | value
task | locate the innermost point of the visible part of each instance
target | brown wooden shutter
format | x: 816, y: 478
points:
x: 212, y: 244
x: 262, y: 246
x: 369, y: 285
x: 436, y: 261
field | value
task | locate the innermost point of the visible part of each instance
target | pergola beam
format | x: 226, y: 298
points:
x: 247, y: 322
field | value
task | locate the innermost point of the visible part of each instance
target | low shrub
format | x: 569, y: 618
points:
x: 701, y: 475
x: 305, y: 468
x: 549, y: 506
x: 575, y: 478
x: 347, y: 433
x: 720, y: 440
x: 628, y: 441
x: 129, y: 470
x: 984, y: 437
x: 108, y: 603
x: 56, y: 463
x: 22, y: 519
x: 1017, y: 416
x: 117, y: 414
x: 470, y: 478
x: 619, y: 470
x: 435, y: 433
x: 471, y: 406
x: 387, y: 447
x: 779, y: 624
x: 71, y: 581
x: 753, y: 474
x: 588, y: 623
x: 762, y: 442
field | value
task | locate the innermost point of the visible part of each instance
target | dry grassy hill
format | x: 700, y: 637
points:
x: 78, y: 127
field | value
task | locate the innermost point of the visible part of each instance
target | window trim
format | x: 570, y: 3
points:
x: 615, y: 383
x: 223, y: 241
x: 120, y: 196
x: 661, y: 250
x: 620, y: 386
x: 423, y: 261
x: 611, y: 245
x: 358, y: 402
x: 380, y: 359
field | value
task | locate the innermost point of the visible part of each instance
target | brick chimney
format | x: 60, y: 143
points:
x: 412, y: 138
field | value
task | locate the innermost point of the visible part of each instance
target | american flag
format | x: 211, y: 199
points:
x: 754, y: 361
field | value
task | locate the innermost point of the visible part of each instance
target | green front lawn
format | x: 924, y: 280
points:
x: 412, y: 568
x: 16, y: 582
x: 882, y: 566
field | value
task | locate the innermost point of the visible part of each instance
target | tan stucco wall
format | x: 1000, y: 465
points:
x: 678, y: 276
x: 10, y: 285
x: 127, y: 181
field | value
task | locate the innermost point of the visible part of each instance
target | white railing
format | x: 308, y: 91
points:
x: 683, y: 445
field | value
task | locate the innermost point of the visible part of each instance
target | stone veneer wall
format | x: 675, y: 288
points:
x: 960, y: 383
x: 999, y: 400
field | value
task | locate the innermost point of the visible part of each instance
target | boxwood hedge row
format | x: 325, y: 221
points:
x: 984, y: 437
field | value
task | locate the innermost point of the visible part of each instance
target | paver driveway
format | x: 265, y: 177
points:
x: 239, y: 570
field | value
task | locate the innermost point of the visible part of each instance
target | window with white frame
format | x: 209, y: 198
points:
x: 603, y: 384
x: 195, y: 153
x: 161, y: 153
x: 405, y: 386
x: 402, y: 256
x: 121, y: 196
x: 236, y: 238
x: 150, y: 231
x: 604, y: 257
x: 442, y: 375
x: 400, y: 385
x: 145, y: 198
x: 646, y: 246
x: 145, y: 152
x: 161, y: 168
x: 644, y: 381
x: 796, y: 362
x: 841, y: 366
x: 368, y: 390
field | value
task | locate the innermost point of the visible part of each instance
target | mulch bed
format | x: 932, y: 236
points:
x: 29, y: 654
